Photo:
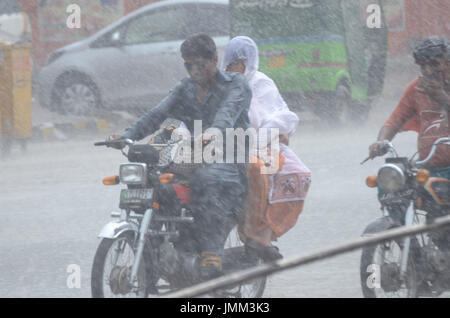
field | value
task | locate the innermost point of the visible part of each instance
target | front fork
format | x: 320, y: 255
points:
x: 141, y: 243
x: 409, y: 220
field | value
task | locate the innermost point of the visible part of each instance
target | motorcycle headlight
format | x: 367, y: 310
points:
x: 133, y: 173
x: 391, y: 177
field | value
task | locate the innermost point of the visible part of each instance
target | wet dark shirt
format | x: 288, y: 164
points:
x: 226, y: 105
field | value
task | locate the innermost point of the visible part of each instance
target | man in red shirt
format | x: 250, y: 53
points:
x: 424, y: 106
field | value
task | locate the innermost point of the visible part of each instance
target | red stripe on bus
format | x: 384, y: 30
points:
x: 311, y: 65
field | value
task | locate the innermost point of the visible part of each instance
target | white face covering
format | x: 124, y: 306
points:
x: 245, y: 49
x: 267, y: 109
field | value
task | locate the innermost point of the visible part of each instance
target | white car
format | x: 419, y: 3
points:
x: 133, y: 63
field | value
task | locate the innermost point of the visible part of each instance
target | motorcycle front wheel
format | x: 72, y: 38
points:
x: 380, y: 272
x: 111, y: 269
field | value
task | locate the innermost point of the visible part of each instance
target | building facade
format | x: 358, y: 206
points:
x: 410, y: 21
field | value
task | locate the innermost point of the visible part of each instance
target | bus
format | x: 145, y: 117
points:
x: 324, y: 55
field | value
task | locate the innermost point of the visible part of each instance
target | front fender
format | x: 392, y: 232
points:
x: 380, y: 225
x: 114, y: 228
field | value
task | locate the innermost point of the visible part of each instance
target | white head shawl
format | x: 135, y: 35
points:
x: 242, y: 48
x: 285, y: 120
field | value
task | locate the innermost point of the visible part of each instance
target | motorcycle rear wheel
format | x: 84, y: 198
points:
x: 110, y: 271
x: 374, y: 261
x: 253, y: 288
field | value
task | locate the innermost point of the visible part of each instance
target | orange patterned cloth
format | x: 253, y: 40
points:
x: 261, y: 215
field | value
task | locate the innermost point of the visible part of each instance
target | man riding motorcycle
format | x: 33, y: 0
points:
x: 417, y: 266
x: 424, y: 107
x: 220, y: 101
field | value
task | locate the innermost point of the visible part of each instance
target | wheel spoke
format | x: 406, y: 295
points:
x: 250, y: 289
x: 118, y: 262
x: 78, y: 98
x: 388, y: 255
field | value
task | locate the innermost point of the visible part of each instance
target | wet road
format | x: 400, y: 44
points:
x: 53, y: 204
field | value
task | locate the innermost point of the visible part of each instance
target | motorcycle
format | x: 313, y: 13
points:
x: 141, y: 252
x: 417, y: 265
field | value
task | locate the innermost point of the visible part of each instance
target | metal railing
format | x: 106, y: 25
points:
x: 284, y: 264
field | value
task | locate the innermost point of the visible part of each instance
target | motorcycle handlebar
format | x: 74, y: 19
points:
x: 101, y: 143
x: 110, y: 143
x: 387, y: 147
x: 433, y: 150
x: 390, y: 147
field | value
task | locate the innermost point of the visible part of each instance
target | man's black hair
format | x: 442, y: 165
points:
x: 199, y: 45
x: 430, y: 49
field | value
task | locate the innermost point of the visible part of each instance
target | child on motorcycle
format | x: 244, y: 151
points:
x: 275, y: 201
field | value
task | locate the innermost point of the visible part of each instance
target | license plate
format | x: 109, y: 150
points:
x: 135, y: 198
